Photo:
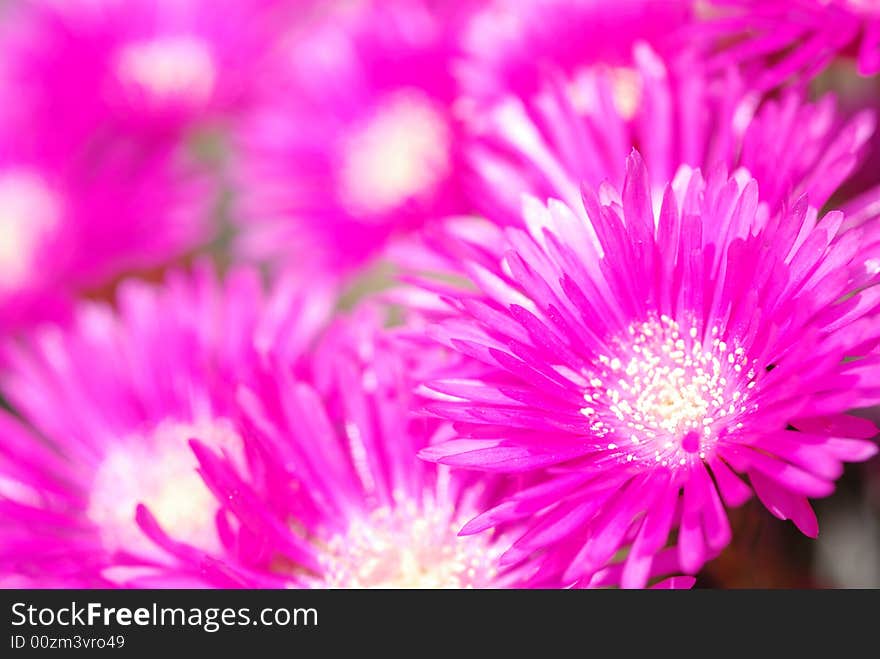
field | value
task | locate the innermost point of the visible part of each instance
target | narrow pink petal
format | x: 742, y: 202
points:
x: 733, y: 490
x: 692, y: 549
x: 786, y: 505
x: 788, y: 475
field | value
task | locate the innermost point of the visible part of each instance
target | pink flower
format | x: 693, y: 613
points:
x: 640, y: 359
x: 676, y: 112
x: 780, y: 39
x: 97, y: 98
x: 96, y: 468
x: 70, y: 223
x: 358, y: 143
x: 151, y: 67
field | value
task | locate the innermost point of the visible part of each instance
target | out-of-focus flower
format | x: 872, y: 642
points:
x: 97, y: 98
x: 105, y: 410
x: 358, y: 143
x: 149, y: 67
x: 777, y: 40
x: 579, y: 130
x: 70, y: 223
x: 639, y: 358
x: 511, y: 45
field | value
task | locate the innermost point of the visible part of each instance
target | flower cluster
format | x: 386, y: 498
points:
x: 410, y: 294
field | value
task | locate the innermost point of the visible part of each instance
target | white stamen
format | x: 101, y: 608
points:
x: 668, y: 392
x: 408, y: 547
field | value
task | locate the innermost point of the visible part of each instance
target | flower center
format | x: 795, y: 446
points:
x: 665, y: 395
x: 400, y: 153
x: 165, y: 69
x: 29, y: 211
x: 408, y: 547
x: 159, y: 471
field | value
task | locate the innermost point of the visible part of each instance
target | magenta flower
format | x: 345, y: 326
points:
x: 780, y: 39
x: 69, y: 225
x: 676, y: 112
x: 357, y: 144
x: 150, y: 67
x: 106, y: 409
x: 95, y: 180
x: 640, y: 359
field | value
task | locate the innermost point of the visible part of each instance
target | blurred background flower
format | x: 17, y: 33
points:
x: 357, y: 143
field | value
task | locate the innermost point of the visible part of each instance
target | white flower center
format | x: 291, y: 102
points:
x: 400, y: 153
x: 664, y: 395
x: 408, y: 548
x: 29, y: 211
x: 159, y: 471
x: 168, y: 69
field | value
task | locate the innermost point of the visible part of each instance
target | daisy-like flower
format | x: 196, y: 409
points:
x: 343, y: 501
x: 151, y: 67
x: 676, y: 112
x: 357, y: 144
x: 95, y: 180
x: 777, y: 40
x: 70, y: 222
x: 104, y: 410
x: 641, y: 359
x: 511, y: 44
